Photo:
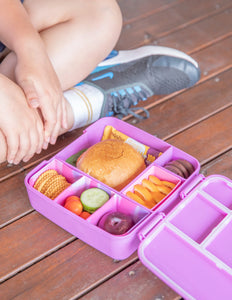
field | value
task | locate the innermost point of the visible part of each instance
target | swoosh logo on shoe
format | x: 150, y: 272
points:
x: 106, y: 75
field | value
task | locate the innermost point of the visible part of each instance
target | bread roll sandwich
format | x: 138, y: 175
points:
x: 112, y: 162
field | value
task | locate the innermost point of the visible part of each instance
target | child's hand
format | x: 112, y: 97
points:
x: 35, y: 74
x: 20, y: 124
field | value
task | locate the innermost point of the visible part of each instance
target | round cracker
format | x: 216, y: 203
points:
x: 43, y: 176
x: 56, y: 188
x: 54, y: 180
x: 46, y: 183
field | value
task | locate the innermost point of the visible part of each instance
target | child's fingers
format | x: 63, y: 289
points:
x: 40, y: 137
x: 50, y: 120
x: 45, y: 104
x: 12, y: 147
x: 57, y: 127
x: 34, y: 139
x: 24, y: 146
x: 30, y: 93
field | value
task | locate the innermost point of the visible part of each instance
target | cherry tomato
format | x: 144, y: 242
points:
x: 72, y: 197
x: 74, y: 205
x: 85, y: 215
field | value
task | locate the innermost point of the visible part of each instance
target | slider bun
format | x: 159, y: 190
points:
x: 112, y: 162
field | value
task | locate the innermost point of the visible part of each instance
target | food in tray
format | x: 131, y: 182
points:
x: 85, y: 215
x: 116, y: 222
x: 112, y: 162
x: 93, y: 198
x: 72, y: 160
x: 151, y: 191
x: 51, y: 184
x: 180, y: 167
x: 73, y: 203
x: 149, y: 154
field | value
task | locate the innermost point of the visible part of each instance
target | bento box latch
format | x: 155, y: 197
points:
x: 192, y: 185
x: 154, y: 220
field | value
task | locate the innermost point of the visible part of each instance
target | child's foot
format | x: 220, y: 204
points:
x: 127, y: 77
x: 130, y: 76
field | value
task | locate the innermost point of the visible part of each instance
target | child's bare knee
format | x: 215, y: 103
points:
x: 111, y: 15
x: 108, y: 21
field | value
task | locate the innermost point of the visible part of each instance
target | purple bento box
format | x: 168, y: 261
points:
x: 186, y: 239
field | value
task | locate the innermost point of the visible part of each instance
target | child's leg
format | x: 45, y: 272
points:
x: 78, y: 34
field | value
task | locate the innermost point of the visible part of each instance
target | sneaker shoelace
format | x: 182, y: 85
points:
x: 124, y: 99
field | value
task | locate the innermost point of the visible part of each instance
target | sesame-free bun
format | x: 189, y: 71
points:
x: 112, y: 162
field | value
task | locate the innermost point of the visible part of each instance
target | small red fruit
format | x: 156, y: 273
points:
x: 74, y: 205
x: 72, y: 197
x: 85, y: 215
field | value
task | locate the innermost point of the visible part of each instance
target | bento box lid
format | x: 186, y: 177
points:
x: 190, y: 249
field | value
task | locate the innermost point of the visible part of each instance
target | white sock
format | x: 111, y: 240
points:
x: 86, y: 102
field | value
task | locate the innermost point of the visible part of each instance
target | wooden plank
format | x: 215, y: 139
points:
x: 215, y: 58
x: 143, y: 8
x: 14, y: 200
x: 220, y: 165
x: 30, y: 238
x: 67, y: 273
x: 184, y: 15
x: 7, y: 170
x: 134, y: 283
x: 208, y: 139
x: 200, y: 34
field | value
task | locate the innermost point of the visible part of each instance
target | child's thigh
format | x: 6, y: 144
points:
x: 47, y: 13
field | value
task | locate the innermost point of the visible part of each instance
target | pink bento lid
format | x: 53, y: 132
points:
x: 191, y: 248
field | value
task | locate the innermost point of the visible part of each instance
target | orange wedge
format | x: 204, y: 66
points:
x: 135, y: 197
x: 168, y: 184
x: 143, y: 193
x: 149, y: 185
x: 164, y: 189
x: 154, y: 179
x: 157, y: 196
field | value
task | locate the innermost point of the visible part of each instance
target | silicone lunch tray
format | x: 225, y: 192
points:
x: 186, y: 239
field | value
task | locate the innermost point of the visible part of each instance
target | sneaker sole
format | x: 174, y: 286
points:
x: 125, y: 56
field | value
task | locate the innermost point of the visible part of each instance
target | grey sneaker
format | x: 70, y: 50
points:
x: 129, y: 76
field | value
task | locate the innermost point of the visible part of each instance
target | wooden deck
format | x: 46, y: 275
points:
x: 39, y: 260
